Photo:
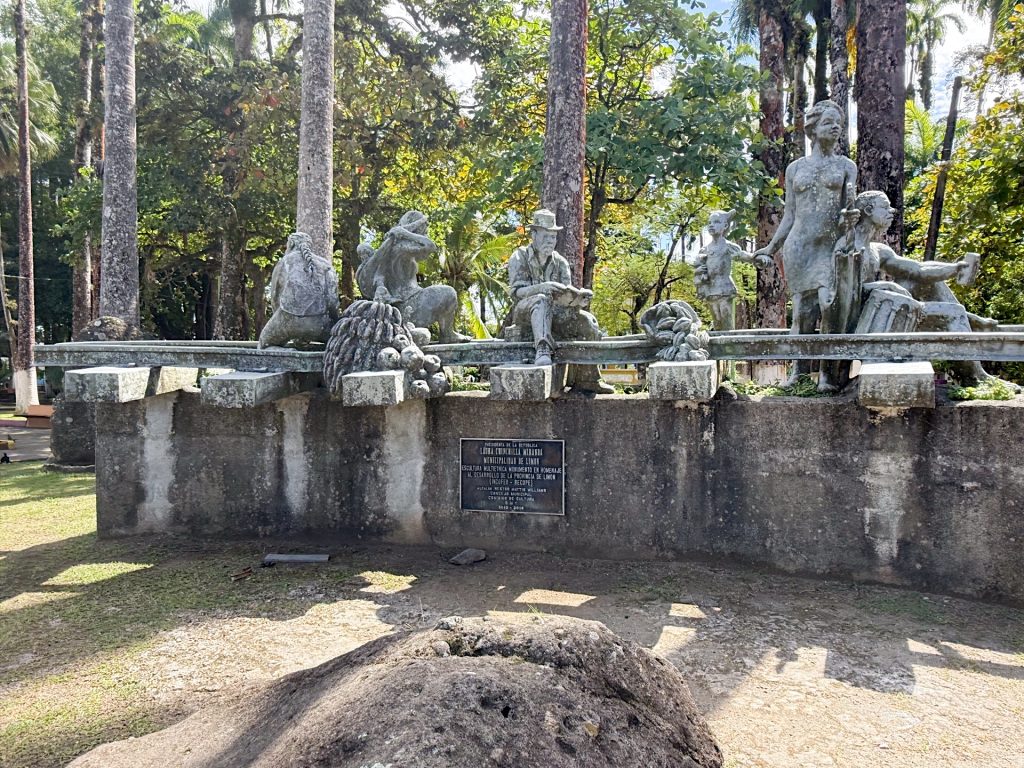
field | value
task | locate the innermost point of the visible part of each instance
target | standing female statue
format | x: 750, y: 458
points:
x: 820, y: 190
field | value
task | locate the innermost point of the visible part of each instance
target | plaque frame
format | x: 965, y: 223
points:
x: 514, y: 440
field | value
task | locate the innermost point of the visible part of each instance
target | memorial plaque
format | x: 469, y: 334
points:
x: 521, y: 476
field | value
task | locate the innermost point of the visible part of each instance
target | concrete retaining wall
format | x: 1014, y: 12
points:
x: 931, y: 498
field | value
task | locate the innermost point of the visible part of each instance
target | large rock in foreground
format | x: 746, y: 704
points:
x: 544, y: 692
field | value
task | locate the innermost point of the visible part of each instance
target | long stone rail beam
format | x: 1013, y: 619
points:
x: 733, y: 345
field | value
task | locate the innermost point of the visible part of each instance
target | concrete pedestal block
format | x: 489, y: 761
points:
x: 124, y: 385
x: 696, y: 381
x: 896, y: 385
x: 373, y: 388
x: 247, y: 389
x: 522, y: 382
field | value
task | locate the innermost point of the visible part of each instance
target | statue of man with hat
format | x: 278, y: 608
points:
x: 548, y: 305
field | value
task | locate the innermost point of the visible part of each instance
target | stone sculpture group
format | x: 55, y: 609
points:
x: 840, y: 276
x: 835, y: 261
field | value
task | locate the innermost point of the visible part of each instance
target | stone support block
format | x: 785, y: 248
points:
x: 522, y: 382
x: 124, y: 385
x: 247, y: 389
x: 373, y: 388
x: 896, y: 385
x: 695, y: 381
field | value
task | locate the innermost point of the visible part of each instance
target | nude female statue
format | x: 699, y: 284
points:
x: 820, y: 191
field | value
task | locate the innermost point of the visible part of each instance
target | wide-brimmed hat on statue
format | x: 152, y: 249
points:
x: 544, y: 219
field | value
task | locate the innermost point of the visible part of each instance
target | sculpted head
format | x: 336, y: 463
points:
x: 720, y: 222
x: 823, y: 121
x: 544, y: 232
x: 415, y: 222
x: 874, y: 207
x: 297, y: 240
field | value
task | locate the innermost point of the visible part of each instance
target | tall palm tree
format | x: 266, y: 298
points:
x: 772, y: 22
x: 928, y: 21
x: 42, y: 110
x: 881, y: 92
x: 119, y: 273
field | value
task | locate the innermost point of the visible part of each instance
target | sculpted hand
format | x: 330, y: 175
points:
x: 848, y: 217
x: 763, y: 260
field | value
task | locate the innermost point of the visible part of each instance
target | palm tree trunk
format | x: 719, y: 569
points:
x: 119, y: 286
x: 880, y: 94
x: 822, y: 36
x: 839, y: 58
x: 316, y: 127
x: 230, y: 322
x: 566, y: 128
x: 81, y: 303
x: 771, y: 296
x: 25, y: 390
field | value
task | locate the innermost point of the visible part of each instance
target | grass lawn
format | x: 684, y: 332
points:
x: 77, y: 613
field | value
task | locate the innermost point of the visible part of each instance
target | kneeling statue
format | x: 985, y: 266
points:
x: 303, y: 294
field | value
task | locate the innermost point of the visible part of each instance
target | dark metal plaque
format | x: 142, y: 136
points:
x: 523, y: 476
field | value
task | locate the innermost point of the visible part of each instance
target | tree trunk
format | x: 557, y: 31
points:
x: 880, y: 94
x: 25, y: 390
x: 119, y: 286
x: 796, y: 140
x: 243, y: 22
x: 81, y: 302
x: 935, y: 222
x: 316, y: 126
x: 822, y: 36
x: 230, y: 322
x: 771, y: 295
x: 925, y: 78
x: 597, y: 204
x: 349, y: 230
x: 840, y: 60
x: 259, y: 301
x: 565, y: 129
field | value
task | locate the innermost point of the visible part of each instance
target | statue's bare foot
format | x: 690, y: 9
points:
x: 826, y: 385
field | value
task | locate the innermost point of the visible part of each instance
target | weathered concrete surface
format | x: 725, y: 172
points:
x: 373, y: 388
x: 73, y: 434
x: 896, y: 385
x: 246, y: 389
x: 930, y: 498
x: 122, y: 385
x: 522, y: 382
x: 697, y: 381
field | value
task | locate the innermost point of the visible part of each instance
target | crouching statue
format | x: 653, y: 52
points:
x: 388, y: 275
x: 303, y: 295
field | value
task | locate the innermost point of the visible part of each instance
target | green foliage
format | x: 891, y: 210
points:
x: 804, y: 386
x: 984, y: 206
x: 990, y: 389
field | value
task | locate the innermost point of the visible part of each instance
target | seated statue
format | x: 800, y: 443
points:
x: 303, y: 295
x: 713, y: 270
x: 547, y: 305
x: 388, y: 275
x: 922, y: 281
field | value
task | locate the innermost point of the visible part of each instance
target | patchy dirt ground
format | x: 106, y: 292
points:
x: 789, y: 672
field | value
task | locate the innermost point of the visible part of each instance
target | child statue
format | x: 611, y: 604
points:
x: 713, y: 273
